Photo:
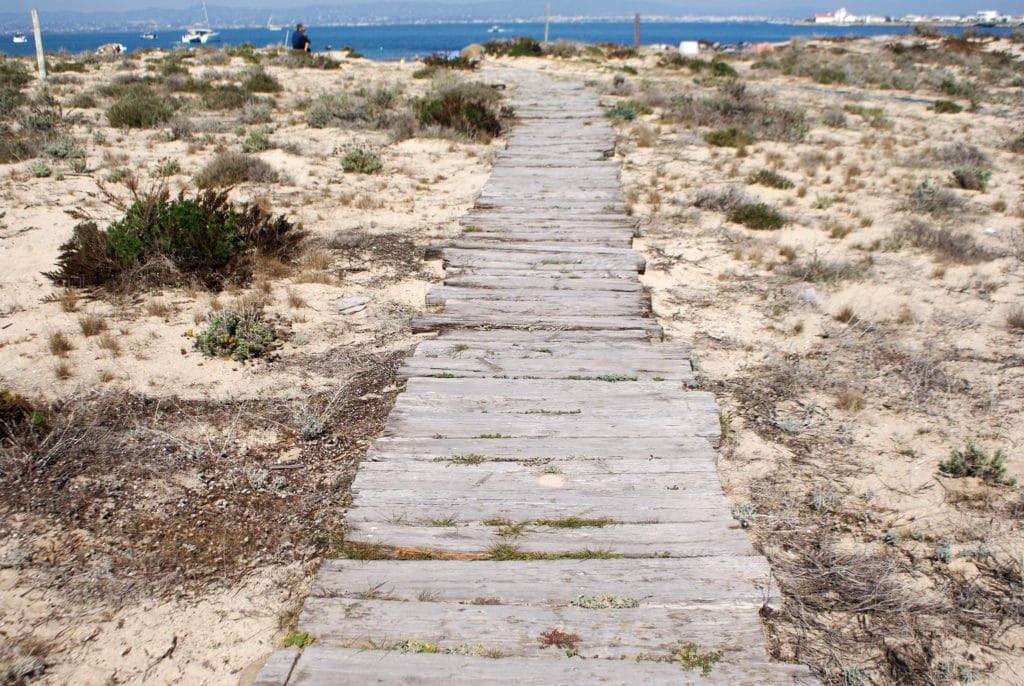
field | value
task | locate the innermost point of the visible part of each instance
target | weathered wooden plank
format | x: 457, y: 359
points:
x: 670, y: 540
x: 710, y: 581
x: 686, y: 465
x: 437, y: 295
x: 541, y: 448
x: 277, y: 669
x: 326, y: 666
x: 544, y: 260
x: 650, y: 369
x: 515, y: 630
x: 591, y: 389
x: 437, y: 322
x: 454, y: 346
x: 570, y: 305
x: 570, y: 249
x: 598, y: 281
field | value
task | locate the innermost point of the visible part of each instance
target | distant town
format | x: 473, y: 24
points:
x: 980, y: 18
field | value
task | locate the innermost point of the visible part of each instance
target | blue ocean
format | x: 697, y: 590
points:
x: 391, y: 42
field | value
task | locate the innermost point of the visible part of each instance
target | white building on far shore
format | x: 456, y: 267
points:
x: 841, y: 16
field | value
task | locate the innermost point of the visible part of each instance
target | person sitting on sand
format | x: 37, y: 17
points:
x: 300, y: 41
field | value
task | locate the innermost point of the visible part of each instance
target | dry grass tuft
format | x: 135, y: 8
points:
x: 59, y: 344
x: 68, y: 299
x: 92, y: 324
x: 846, y: 315
x: 295, y: 299
x: 109, y: 343
x: 158, y: 307
x: 1015, y: 318
x: 851, y: 401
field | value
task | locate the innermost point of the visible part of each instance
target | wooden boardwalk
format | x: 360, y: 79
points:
x: 546, y: 480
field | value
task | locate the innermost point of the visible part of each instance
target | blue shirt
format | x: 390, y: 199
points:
x: 300, y: 41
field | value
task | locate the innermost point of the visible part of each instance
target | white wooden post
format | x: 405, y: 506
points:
x: 39, y: 44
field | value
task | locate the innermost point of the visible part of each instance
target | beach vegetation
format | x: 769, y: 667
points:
x: 259, y: 81
x: 972, y: 460
x: 361, y: 109
x: 927, y: 198
x: 163, y: 240
x: 239, y: 335
x: 627, y: 110
x: 1015, y: 318
x: 946, y: 107
x: 140, y: 107
x: 756, y: 215
x: 770, y: 178
x: 466, y: 108
x: 361, y: 161
x: 733, y: 105
x: 948, y: 244
x: 732, y: 137
x: 225, y: 96
x: 439, y: 61
x: 258, y: 140
x: 832, y: 272
x: 523, y: 46
x: 232, y: 168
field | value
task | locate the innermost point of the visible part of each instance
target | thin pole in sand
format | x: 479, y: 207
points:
x: 547, y: 20
x: 39, y: 44
x: 636, y: 31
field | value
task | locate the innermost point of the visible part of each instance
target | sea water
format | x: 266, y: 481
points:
x: 390, y: 42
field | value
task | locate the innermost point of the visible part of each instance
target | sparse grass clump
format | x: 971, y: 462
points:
x: 257, y: 141
x: 231, y: 168
x: 627, y: 111
x: 734, y: 107
x: 234, y: 334
x: 224, y: 97
x: 165, y: 241
x: 361, y: 161
x: 1015, y: 318
x: 770, y: 178
x: 691, y: 657
x: 947, y: 244
x: 927, y: 198
x: 441, y: 61
x: 140, y: 107
x: 731, y: 137
x: 973, y: 461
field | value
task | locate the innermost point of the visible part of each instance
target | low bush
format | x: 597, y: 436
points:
x: 469, y: 109
x: 757, y: 215
x: 818, y: 270
x: 231, y: 168
x: 627, y: 110
x: 256, y: 113
x: 523, y: 46
x: 164, y: 241
x: 364, y: 109
x: 733, y: 106
x: 360, y: 161
x: 1016, y: 144
x: 930, y: 199
x: 770, y: 178
x: 225, y: 97
x: 947, y: 107
x: 61, y: 67
x: 731, y: 137
x: 234, y: 334
x: 17, y: 412
x: 139, y: 108
x: 973, y: 461
x: 257, y: 141
x: 259, y: 81
x: 442, y: 61
x: 721, y: 199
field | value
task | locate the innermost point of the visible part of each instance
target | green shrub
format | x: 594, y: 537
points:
x: 234, y: 334
x: 770, y: 178
x: 257, y: 141
x: 231, y: 168
x: 973, y: 461
x: 361, y: 161
x: 723, y: 69
x: 523, y: 46
x: 731, y: 137
x: 60, y: 67
x: 947, y: 244
x: 245, y: 51
x: 259, y: 81
x: 972, y: 178
x: 465, y: 108
x: 947, y: 107
x: 442, y: 61
x: 163, y: 241
x: 1017, y: 144
x: 13, y: 74
x: 425, y: 73
x: 757, y: 215
x: 362, y: 109
x: 930, y: 199
x: 40, y: 169
x: 140, y: 108
x: 225, y: 97
x: 256, y: 113
x: 734, y: 106
x: 627, y: 111
x: 84, y: 100
x: 17, y: 412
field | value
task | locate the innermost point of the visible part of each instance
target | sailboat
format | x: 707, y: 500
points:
x: 271, y: 26
x: 201, y: 35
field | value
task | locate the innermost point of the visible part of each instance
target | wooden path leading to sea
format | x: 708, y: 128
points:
x: 547, y: 457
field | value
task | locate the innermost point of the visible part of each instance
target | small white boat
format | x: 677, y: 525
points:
x: 272, y: 26
x: 201, y: 35
x: 19, y: 38
x: 495, y: 29
x: 148, y: 35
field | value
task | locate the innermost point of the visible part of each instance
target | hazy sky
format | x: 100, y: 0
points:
x: 536, y: 7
